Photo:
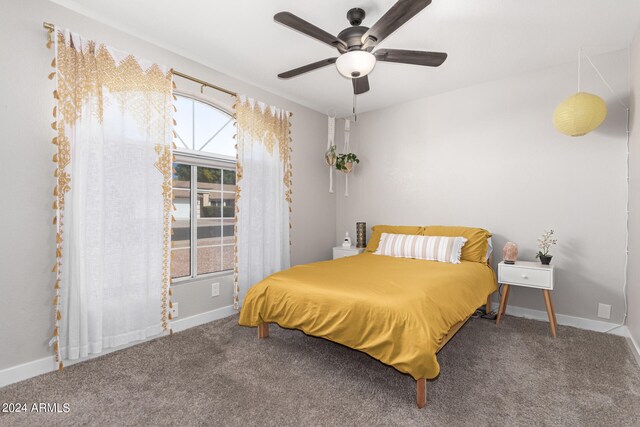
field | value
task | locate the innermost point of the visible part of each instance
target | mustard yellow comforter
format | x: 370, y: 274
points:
x: 397, y: 310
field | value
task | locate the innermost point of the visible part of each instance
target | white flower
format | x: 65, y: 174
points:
x: 546, y: 241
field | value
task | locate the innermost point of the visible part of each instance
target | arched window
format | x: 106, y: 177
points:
x: 204, y: 184
x: 202, y: 127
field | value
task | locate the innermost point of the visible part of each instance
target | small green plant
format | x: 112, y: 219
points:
x: 343, y: 160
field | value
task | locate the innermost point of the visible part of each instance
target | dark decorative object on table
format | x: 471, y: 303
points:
x: 545, y: 259
x: 544, y: 243
x: 361, y: 234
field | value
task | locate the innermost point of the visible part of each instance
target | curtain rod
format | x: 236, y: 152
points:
x: 203, y: 83
x: 51, y: 27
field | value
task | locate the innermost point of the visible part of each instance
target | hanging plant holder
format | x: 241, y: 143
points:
x: 345, y: 162
x: 330, y: 156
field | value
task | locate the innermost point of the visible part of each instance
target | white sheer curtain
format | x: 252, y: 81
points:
x: 113, y: 197
x: 263, y: 193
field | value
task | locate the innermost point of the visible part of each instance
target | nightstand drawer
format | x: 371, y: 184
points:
x: 526, y: 276
x: 342, y: 252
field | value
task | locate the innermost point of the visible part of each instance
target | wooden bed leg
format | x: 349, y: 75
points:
x: 421, y: 392
x: 263, y: 330
x: 488, y: 309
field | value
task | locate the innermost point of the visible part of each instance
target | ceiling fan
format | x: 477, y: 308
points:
x: 357, y: 42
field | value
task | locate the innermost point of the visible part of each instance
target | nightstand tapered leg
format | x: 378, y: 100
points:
x: 507, y: 291
x: 550, y: 313
x: 503, y: 302
x: 553, y: 310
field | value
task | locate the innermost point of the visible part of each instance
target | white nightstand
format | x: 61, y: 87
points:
x: 341, y: 252
x: 530, y: 275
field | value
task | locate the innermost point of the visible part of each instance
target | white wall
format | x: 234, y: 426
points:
x: 633, y: 321
x: 488, y: 156
x: 27, y: 248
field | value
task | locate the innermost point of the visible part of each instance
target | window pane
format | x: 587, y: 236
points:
x: 209, y: 179
x: 209, y: 239
x: 184, y: 119
x: 203, y: 127
x: 209, y: 204
x: 209, y: 231
x: 228, y: 205
x: 209, y: 121
x: 181, y: 227
x: 227, y: 257
x: 209, y: 259
x: 181, y: 176
x: 223, y: 143
x: 227, y: 231
x: 229, y: 178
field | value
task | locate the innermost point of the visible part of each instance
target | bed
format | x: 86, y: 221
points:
x: 400, y: 311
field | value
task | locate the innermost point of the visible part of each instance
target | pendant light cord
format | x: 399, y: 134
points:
x: 579, y: 67
x: 626, y: 249
x: 604, y: 81
x: 626, y: 243
x: 628, y: 168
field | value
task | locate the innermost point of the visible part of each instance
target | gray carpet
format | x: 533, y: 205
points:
x: 221, y: 374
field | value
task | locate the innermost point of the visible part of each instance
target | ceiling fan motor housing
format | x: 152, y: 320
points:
x: 352, y: 36
x: 356, y: 16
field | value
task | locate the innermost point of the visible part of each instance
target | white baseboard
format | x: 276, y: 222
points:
x: 563, y: 319
x: 635, y: 348
x: 34, y: 368
x: 202, y: 318
x: 27, y: 370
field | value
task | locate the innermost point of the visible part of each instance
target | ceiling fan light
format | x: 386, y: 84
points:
x: 356, y: 63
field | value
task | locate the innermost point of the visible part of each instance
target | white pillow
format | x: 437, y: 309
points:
x: 432, y: 248
x: 489, y: 249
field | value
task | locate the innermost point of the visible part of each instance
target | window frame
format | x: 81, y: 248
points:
x: 194, y: 159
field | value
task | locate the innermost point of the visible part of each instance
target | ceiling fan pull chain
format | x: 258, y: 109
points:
x: 355, y: 115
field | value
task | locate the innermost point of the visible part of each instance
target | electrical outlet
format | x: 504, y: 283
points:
x: 215, y: 289
x: 174, y: 310
x: 604, y: 311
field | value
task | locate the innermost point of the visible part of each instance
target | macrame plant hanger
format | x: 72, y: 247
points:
x: 330, y: 156
x: 347, y: 131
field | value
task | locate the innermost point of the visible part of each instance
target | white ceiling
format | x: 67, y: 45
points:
x: 485, y: 40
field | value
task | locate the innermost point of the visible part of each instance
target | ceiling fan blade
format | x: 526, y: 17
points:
x: 360, y: 85
x: 306, y: 68
x: 415, y: 57
x: 395, y: 17
x: 299, y: 24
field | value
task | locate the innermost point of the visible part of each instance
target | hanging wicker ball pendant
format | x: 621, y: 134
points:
x: 579, y: 114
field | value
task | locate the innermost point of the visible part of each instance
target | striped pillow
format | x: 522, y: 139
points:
x: 432, y: 248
